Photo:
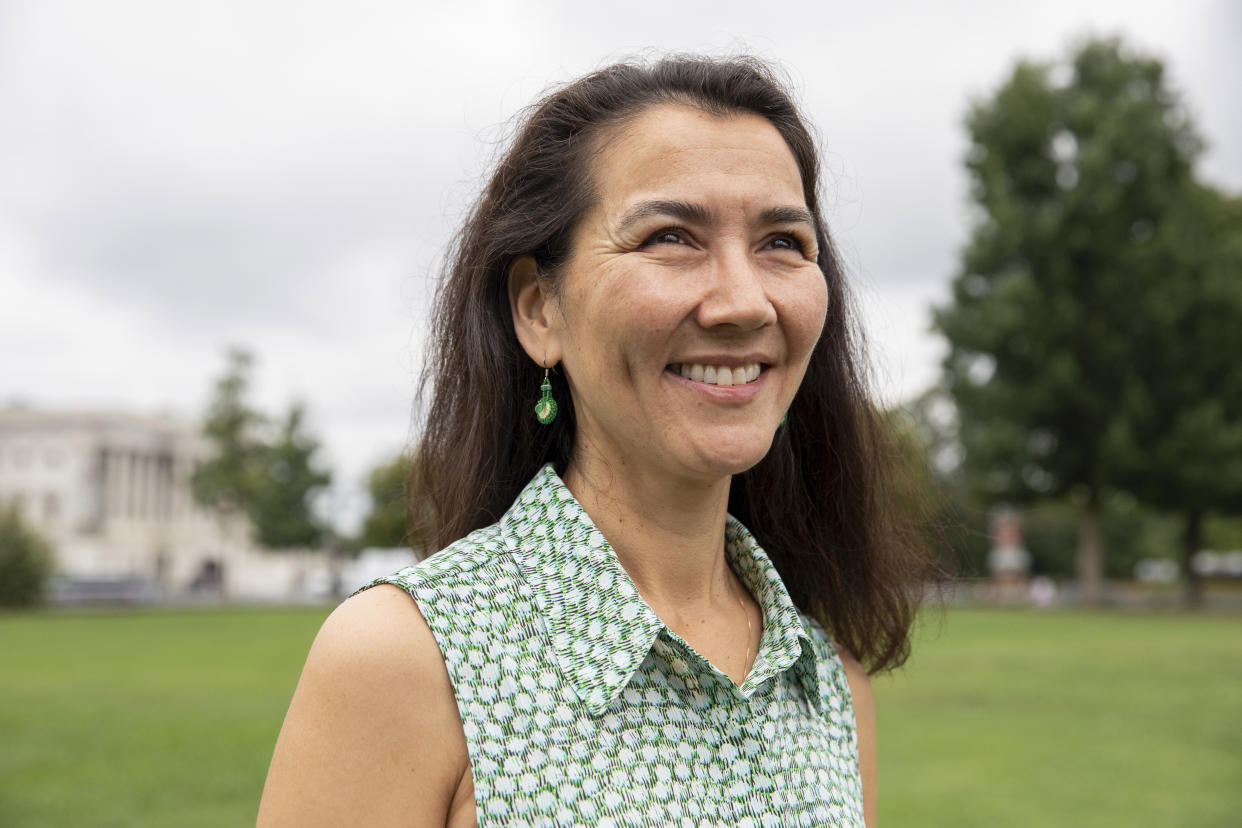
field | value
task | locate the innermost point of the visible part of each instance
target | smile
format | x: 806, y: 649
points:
x: 717, y: 374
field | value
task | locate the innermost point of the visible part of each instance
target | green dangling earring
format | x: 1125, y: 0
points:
x: 545, y: 409
x: 784, y: 419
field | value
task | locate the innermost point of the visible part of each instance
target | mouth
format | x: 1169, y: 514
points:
x: 724, y: 375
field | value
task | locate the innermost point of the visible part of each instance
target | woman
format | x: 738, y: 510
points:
x: 652, y: 462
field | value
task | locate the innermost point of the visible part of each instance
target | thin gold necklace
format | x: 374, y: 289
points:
x: 749, y: 633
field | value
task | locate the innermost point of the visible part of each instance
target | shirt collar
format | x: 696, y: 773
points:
x: 600, y: 628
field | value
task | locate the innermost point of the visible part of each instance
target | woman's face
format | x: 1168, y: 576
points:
x: 691, y: 299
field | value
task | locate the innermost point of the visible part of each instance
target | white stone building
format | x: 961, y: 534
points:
x: 111, y: 492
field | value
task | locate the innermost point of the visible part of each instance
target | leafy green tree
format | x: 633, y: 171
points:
x: 1180, y: 446
x: 386, y: 524
x: 26, y: 561
x: 226, y: 482
x: 1073, y: 175
x: 267, y: 472
x: 1128, y: 529
x: 286, y: 485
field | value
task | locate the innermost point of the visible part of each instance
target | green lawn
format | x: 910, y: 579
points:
x: 1021, y: 718
x: 1002, y: 718
x: 161, y: 718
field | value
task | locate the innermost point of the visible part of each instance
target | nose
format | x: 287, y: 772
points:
x: 737, y: 293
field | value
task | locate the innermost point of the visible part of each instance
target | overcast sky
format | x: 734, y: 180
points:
x: 179, y: 176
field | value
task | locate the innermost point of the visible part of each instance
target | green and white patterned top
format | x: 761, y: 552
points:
x: 580, y: 707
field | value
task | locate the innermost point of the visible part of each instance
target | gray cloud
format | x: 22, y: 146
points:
x: 175, y: 176
x: 196, y: 259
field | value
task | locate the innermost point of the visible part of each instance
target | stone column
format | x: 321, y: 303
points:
x: 147, y: 464
x: 104, y: 503
x: 116, y: 483
x: 140, y: 485
x: 164, y: 481
x: 160, y: 512
x: 182, y: 497
x: 131, y: 484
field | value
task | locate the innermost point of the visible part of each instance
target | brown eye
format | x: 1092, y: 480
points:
x: 785, y: 242
x: 668, y: 235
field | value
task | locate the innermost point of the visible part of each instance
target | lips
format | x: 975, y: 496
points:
x: 717, y: 374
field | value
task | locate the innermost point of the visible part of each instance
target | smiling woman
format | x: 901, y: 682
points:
x: 655, y: 599
x: 698, y: 250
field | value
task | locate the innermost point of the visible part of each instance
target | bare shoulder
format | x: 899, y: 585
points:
x: 860, y: 682
x: 372, y: 735
x: 863, y: 699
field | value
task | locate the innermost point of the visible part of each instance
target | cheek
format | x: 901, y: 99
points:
x: 606, y: 333
x: 624, y: 310
x: 803, y: 311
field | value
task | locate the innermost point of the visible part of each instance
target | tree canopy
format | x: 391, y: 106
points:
x: 264, y: 470
x: 1070, y: 315
x: 386, y: 524
x: 26, y: 560
x: 1179, y: 448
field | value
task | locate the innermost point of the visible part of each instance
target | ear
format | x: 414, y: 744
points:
x: 536, y: 315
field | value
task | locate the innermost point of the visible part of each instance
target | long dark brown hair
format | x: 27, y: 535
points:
x: 823, y: 503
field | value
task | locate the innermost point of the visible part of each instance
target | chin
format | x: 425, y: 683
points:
x: 731, y: 459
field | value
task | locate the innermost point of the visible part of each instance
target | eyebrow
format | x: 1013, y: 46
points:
x: 680, y: 210
x: 787, y: 215
x: 696, y: 213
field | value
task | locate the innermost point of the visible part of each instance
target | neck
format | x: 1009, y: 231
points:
x: 668, y: 533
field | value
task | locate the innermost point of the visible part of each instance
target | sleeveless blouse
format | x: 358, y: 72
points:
x: 580, y: 707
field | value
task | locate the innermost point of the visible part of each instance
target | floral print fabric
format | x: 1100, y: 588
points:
x: 580, y: 707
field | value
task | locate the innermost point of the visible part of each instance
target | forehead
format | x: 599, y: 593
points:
x: 672, y: 149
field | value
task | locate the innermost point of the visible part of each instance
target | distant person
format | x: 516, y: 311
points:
x: 1042, y: 591
x: 1009, y: 564
x: 670, y: 545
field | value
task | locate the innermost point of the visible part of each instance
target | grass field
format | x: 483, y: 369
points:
x: 1002, y: 718
x: 1065, y: 718
x: 143, y: 718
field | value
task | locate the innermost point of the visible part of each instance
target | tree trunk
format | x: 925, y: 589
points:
x: 1191, y: 537
x: 1090, y: 555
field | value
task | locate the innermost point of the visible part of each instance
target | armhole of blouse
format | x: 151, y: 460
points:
x: 840, y: 678
x: 834, y: 668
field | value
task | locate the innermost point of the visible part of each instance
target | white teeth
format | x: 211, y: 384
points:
x: 718, y: 374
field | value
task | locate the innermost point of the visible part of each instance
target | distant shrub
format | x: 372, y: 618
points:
x: 26, y: 561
